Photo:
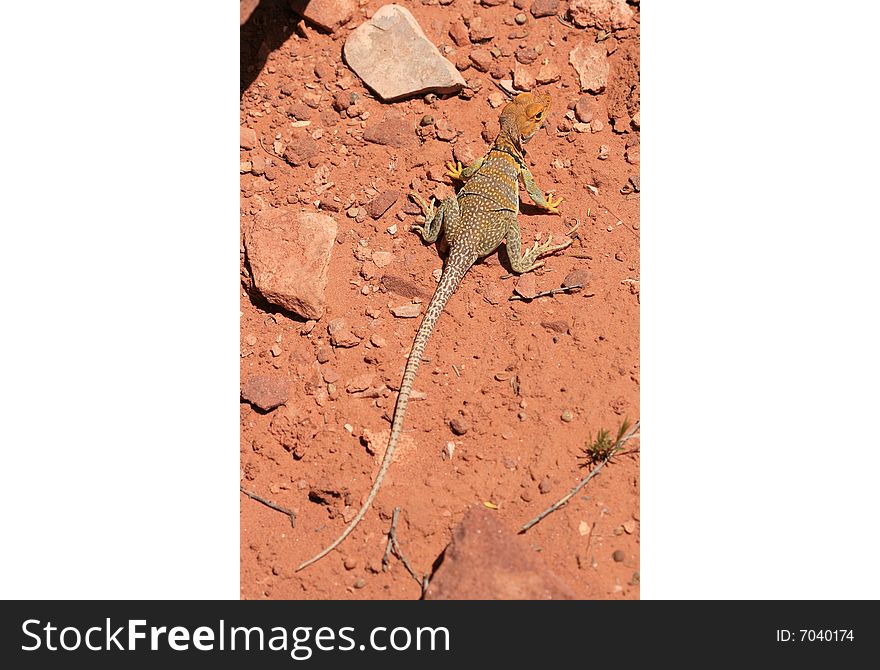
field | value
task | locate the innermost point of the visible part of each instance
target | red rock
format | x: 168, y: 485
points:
x: 288, y: 253
x: 382, y: 203
x: 547, y: 74
x: 481, y: 59
x: 265, y: 392
x: 246, y: 8
x: 301, y: 148
x: 583, y: 109
x: 327, y: 14
x: 541, y: 8
x: 523, y: 80
x: 591, y: 63
x: 601, y: 14
x: 248, y: 139
x: 526, y: 54
x: 391, y: 131
x: 459, y: 34
x: 486, y: 561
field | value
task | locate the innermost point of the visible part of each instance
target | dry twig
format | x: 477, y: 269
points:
x: 269, y: 503
x: 613, y: 451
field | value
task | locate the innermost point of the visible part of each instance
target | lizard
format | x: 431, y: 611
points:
x: 475, y: 222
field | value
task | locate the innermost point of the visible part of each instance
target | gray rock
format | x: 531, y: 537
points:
x: 288, y: 253
x: 394, y: 58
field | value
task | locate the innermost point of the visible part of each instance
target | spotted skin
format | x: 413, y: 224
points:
x: 475, y: 222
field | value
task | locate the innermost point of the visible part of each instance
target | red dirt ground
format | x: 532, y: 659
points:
x: 518, y: 453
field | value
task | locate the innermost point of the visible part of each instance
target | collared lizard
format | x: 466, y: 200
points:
x: 475, y: 222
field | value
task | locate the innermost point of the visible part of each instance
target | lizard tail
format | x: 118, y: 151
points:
x: 452, y: 276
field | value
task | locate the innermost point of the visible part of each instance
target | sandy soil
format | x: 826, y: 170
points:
x: 510, y: 368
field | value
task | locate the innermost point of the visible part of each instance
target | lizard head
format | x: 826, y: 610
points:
x: 523, y: 116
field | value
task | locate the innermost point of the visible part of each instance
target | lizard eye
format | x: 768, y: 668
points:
x: 539, y: 116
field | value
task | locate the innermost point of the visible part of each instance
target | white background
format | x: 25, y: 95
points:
x: 120, y: 332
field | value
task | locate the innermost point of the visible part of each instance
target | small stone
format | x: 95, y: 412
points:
x: 566, y: 416
x: 459, y: 425
x: 590, y: 61
x: 342, y: 100
x: 382, y: 258
x: 359, y: 383
x: 526, y: 286
x: 426, y: 120
x: 547, y: 74
x: 359, y: 584
x: 583, y: 109
x: 250, y: 340
x: 300, y: 150
x: 603, y: 152
x: 541, y: 8
x: 377, y: 340
x: 584, y: 528
x: 248, y: 139
x: 349, y: 563
x: 391, y: 131
x: 523, y: 80
x: 576, y: 278
x: 526, y: 54
x: 521, y: 18
x: 265, y: 392
x: 618, y: 556
x: 481, y: 59
x: 330, y: 375
x: 459, y: 34
x: 324, y: 354
x: 382, y: 203
x: 409, y: 311
x: 328, y: 14
x: 496, y: 99
x: 545, y: 486
x: 299, y: 111
x: 602, y: 14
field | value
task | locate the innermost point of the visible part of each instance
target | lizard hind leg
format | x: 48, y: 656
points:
x: 435, y: 216
x: 529, y: 260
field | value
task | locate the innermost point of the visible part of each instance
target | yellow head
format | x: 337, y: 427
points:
x: 523, y: 116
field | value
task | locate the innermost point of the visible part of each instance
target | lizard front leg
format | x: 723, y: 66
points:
x: 529, y: 260
x: 536, y: 194
x: 456, y: 171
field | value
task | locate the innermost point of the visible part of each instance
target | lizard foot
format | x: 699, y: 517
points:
x: 553, y: 207
x: 455, y: 170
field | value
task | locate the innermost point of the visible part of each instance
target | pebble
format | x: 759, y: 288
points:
x: 409, y: 311
x: 377, y: 340
x: 459, y: 425
x: 541, y: 8
x: 618, y: 556
x: 520, y: 18
x: 566, y: 416
x: 545, y: 486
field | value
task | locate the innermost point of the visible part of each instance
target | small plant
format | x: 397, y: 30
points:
x: 602, y: 448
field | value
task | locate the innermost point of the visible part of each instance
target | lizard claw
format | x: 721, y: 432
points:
x: 553, y: 207
x: 454, y: 169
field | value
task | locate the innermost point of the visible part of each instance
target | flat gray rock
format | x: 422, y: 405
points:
x: 391, y: 54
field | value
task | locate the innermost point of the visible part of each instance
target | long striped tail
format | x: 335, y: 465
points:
x: 456, y: 267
